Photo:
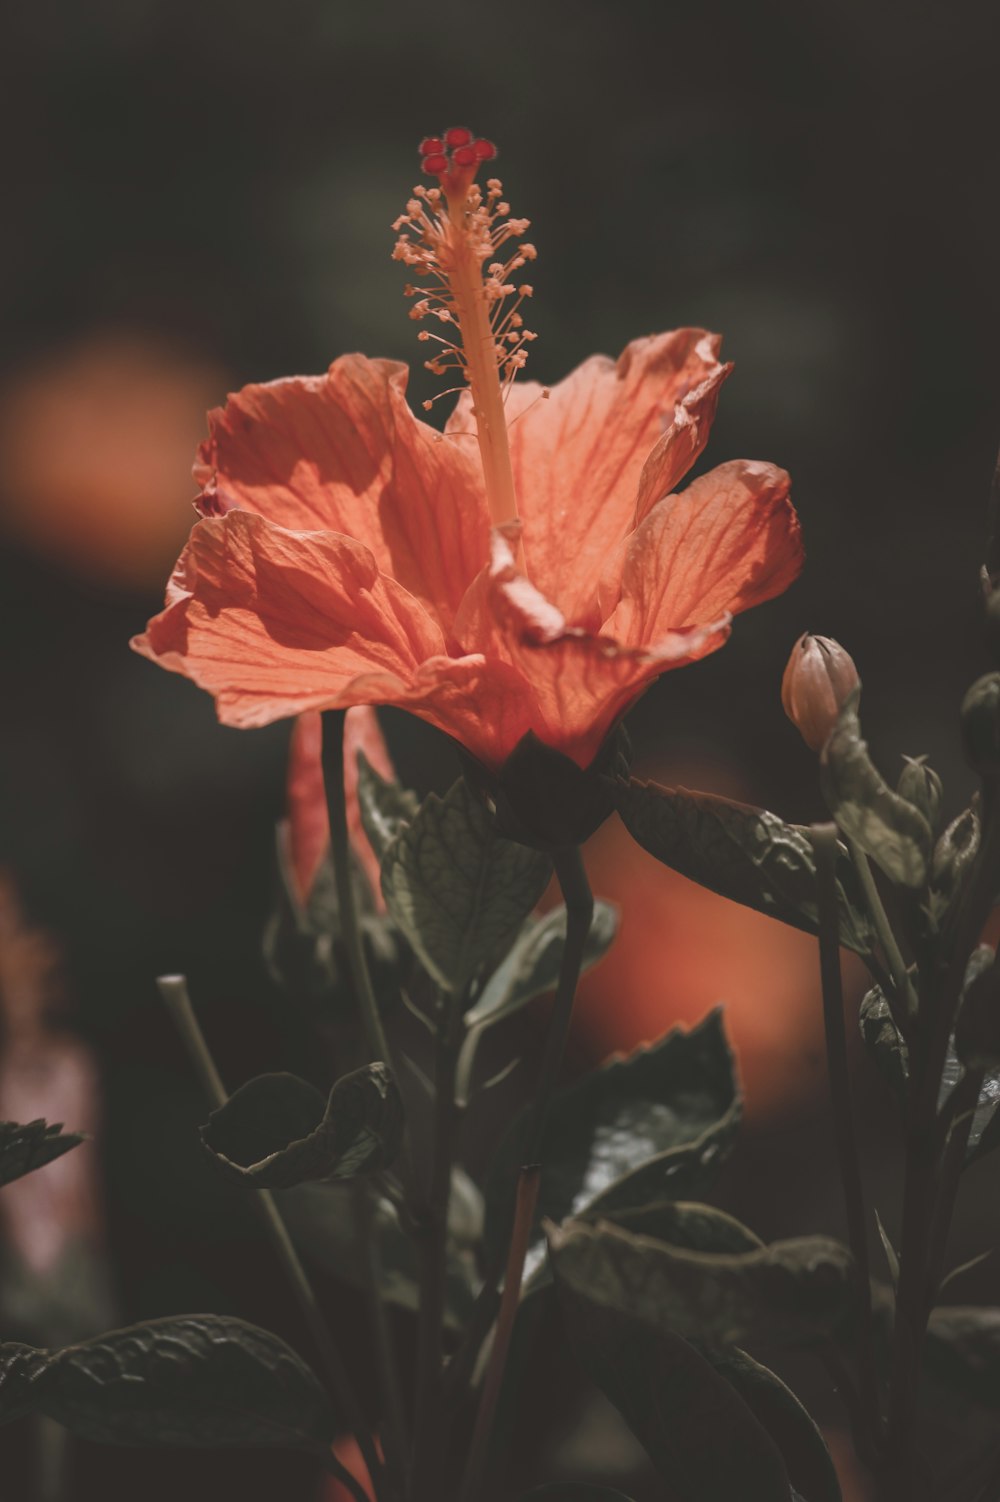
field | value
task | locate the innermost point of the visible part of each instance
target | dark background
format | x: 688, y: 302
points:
x: 200, y: 194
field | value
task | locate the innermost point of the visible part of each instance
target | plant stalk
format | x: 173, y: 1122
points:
x: 524, y: 1216
x: 173, y: 989
x: 429, y: 1421
x: 340, y: 849
x: 824, y: 842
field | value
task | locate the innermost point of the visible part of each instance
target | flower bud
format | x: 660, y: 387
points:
x: 920, y: 785
x: 981, y: 725
x: 818, y: 681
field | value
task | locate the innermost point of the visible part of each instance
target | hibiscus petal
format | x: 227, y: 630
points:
x: 607, y: 433
x: 274, y: 622
x: 729, y: 541
x: 569, y: 686
x: 343, y: 452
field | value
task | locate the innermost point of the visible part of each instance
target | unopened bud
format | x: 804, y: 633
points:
x: 981, y: 725
x: 920, y: 785
x: 818, y: 681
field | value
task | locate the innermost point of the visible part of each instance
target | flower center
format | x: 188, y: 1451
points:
x: 454, y: 236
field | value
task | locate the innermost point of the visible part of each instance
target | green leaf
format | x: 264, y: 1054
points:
x: 277, y: 1130
x: 702, y: 1438
x: 645, y: 1128
x: 883, y: 1041
x: 532, y: 966
x: 25, y: 1148
x: 890, y: 1054
x: 963, y: 1352
x: 892, y: 1261
x: 321, y: 1221
x: 887, y: 826
x: 699, y: 1228
x: 952, y: 861
x: 197, y: 1379
x: 746, y: 854
x: 790, y: 1292
x: 792, y: 1428
x: 386, y: 807
x: 457, y: 889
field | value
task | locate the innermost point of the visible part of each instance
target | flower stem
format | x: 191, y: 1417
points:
x: 883, y: 928
x: 930, y: 1183
x: 432, y: 1243
x: 524, y: 1216
x: 572, y: 877
x: 333, y: 767
x: 173, y: 989
x: 385, y: 1355
x: 824, y: 842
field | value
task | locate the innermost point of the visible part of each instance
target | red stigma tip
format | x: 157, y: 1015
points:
x: 458, y: 136
x: 431, y: 146
x: 464, y: 156
x: 436, y: 163
x: 485, y: 150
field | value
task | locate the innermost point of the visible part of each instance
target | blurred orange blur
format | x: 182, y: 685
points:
x: 96, y: 445
x: 682, y: 950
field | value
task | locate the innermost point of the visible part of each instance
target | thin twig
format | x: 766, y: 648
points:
x: 824, y: 842
x: 524, y: 1216
x: 173, y: 989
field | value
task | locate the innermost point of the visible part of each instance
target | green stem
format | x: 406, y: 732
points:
x: 579, y: 900
x: 432, y: 1243
x: 333, y: 768
x: 883, y: 928
x: 173, y: 989
x: 385, y: 1356
x: 824, y: 842
x: 572, y: 877
x: 524, y: 1217
x: 960, y: 1111
x: 924, y: 1206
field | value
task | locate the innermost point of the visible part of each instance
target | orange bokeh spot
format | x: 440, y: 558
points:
x: 682, y: 950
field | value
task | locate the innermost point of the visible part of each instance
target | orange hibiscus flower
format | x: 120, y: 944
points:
x: 531, y: 570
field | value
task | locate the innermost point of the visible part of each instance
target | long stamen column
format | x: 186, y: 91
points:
x: 454, y: 235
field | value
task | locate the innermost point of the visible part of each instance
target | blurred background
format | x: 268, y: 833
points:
x: 200, y: 194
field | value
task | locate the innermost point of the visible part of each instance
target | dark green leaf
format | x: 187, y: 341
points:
x: 649, y: 1127
x: 277, y: 1130
x: 953, y: 856
x: 700, y: 1435
x: 883, y: 1041
x: 457, y: 889
x: 386, y: 807
x: 321, y: 1220
x: 25, y: 1148
x: 699, y: 1228
x: 887, y: 826
x: 890, y: 1054
x: 746, y: 854
x: 789, y: 1292
x: 532, y: 966
x: 892, y: 1261
x: 197, y: 1379
x: 963, y: 1352
x: 793, y: 1430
